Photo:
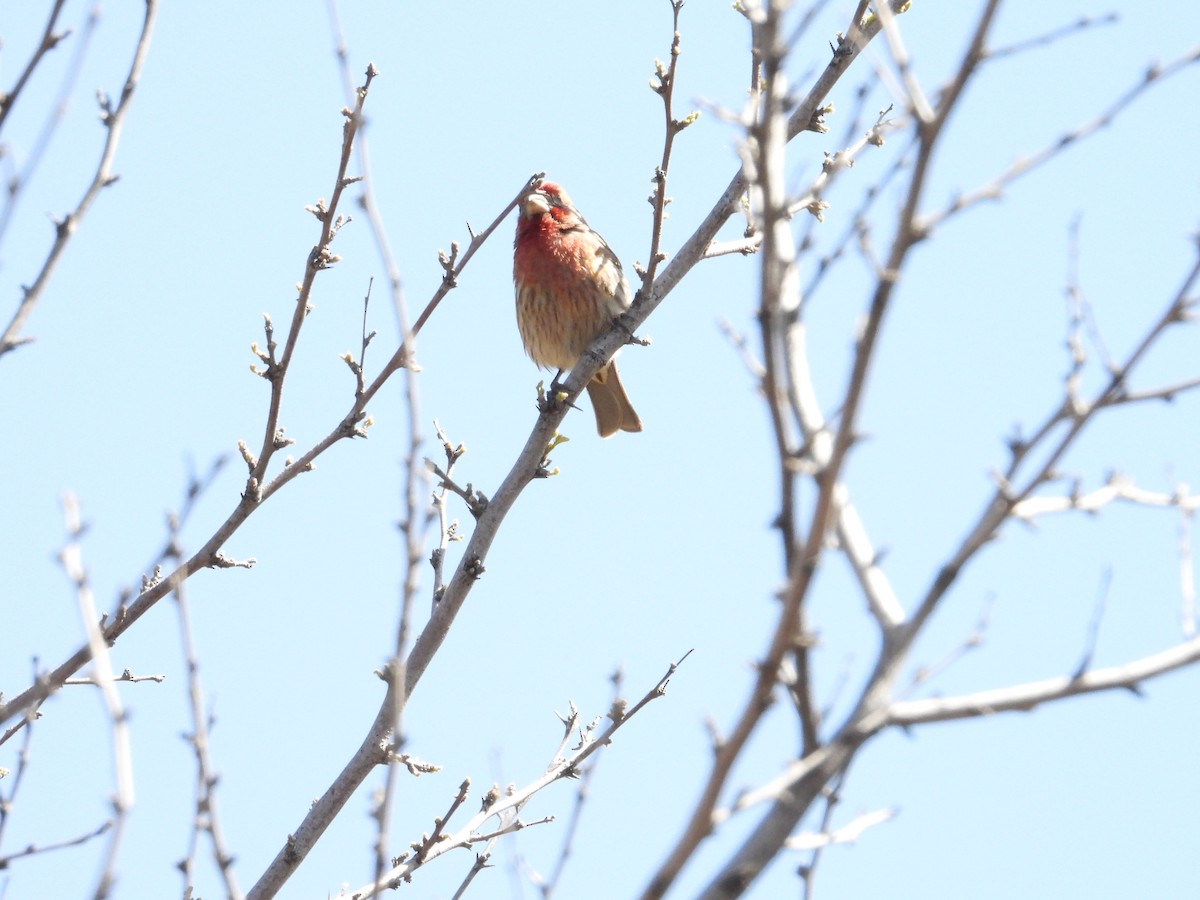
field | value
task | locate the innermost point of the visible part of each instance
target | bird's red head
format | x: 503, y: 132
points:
x: 548, y: 197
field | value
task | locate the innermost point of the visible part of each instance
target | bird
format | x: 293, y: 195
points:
x: 569, y: 289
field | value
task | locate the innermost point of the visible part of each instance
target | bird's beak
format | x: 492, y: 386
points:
x: 534, y: 204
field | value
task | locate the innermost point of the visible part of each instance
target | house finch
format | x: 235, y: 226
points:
x: 569, y: 289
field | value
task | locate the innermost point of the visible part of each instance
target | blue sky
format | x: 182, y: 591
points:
x: 645, y: 545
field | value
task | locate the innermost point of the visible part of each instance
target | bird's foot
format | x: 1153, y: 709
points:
x: 548, y: 399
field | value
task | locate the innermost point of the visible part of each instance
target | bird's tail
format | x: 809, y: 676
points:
x: 614, y: 412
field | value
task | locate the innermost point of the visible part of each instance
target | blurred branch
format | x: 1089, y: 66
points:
x: 1093, y: 633
x: 48, y: 42
x: 973, y: 641
x: 21, y: 179
x: 197, y: 486
x: 205, y: 816
x: 918, y: 103
x: 377, y: 747
x: 994, y: 189
x: 693, y: 249
x: 8, y: 800
x: 798, y: 787
x: 154, y: 589
x: 1074, y: 417
x: 36, y: 849
x: 1187, y: 576
x: 256, y: 493
x: 847, y: 834
x: 126, y: 675
x: 763, y: 161
x: 763, y: 171
x: 415, y: 517
x: 820, y: 762
x: 71, y: 559
x: 114, y: 121
x: 1030, y: 695
x: 1117, y: 487
x: 1054, y: 35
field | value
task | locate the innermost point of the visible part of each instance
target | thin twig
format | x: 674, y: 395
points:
x: 507, y: 804
x: 1014, y: 496
x: 995, y: 188
x: 548, y: 887
x: 71, y: 559
x: 14, y: 783
x: 803, y: 553
x: 36, y: 849
x: 1093, y: 633
x: 808, y: 871
x: 1054, y: 35
x: 665, y: 88
x: 49, y: 40
x: 54, y: 117
x: 206, y: 816
x: 1187, y: 575
x: 1029, y: 696
x: 973, y: 641
x: 210, y: 555
x: 114, y: 121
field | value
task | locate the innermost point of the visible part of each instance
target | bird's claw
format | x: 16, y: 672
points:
x: 548, y: 399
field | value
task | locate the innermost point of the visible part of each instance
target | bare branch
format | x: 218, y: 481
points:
x: 1030, y: 695
x: 114, y: 121
x: 506, y: 805
x: 20, y: 180
x: 847, y: 834
x: 1054, y: 35
x: 972, y: 641
x: 1075, y: 417
x: 1117, y: 487
x: 206, y: 817
x: 50, y: 39
x: 257, y: 490
x: 1093, y: 636
x: 71, y: 559
x: 994, y: 189
x: 764, y: 171
x: 1187, y: 576
x: 36, y: 849
x: 917, y: 100
x: 664, y: 86
x: 546, y: 887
